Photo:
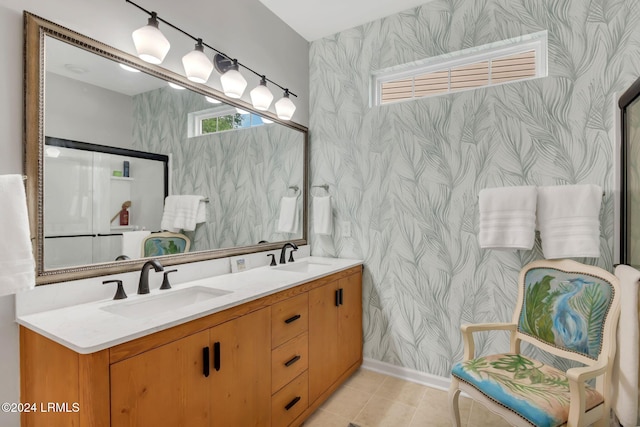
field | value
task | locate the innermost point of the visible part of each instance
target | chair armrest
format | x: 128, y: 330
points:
x: 584, y: 373
x: 577, y: 386
x: 468, y: 330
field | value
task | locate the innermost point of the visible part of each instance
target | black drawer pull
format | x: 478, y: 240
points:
x: 205, y: 361
x: 337, y: 298
x: 292, y: 403
x: 292, y: 318
x: 340, y: 295
x: 216, y: 356
x: 292, y: 361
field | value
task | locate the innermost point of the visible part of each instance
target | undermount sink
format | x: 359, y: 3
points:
x: 303, y: 266
x: 155, y: 304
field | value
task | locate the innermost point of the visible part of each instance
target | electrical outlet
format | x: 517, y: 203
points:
x: 346, y: 229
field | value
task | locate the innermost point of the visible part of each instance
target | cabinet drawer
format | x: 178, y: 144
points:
x: 290, y: 402
x: 289, y: 318
x: 289, y: 360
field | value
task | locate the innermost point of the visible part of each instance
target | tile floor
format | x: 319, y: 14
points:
x: 370, y: 399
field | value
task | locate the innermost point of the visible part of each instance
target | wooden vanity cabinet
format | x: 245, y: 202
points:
x: 221, y: 371
x: 335, y: 332
x: 268, y: 362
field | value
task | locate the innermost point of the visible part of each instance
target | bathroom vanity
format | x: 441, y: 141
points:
x: 267, y: 350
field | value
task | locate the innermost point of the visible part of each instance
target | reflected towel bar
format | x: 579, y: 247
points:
x: 205, y: 200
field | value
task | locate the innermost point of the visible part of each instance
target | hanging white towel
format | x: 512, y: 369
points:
x: 507, y: 217
x: 289, y: 217
x: 569, y: 220
x: 625, y: 368
x: 322, y: 216
x: 132, y: 243
x: 17, y: 267
x: 182, y: 213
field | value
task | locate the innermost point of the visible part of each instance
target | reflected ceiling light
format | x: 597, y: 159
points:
x: 233, y: 83
x: 126, y: 67
x: 261, y: 96
x: 176, y: 86
x: 196, y: 64
x: 285, y: 107
x: 52, y: 152
x: 152, y: 46
x: 241, y: 111
x: 266, y: 121
x: 75, y: 68
x: 212, y: 100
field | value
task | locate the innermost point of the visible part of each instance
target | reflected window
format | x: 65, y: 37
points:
x: 222, y: 119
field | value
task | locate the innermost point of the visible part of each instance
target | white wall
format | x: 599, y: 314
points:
x: 83, y: 112
x: 242, y: 28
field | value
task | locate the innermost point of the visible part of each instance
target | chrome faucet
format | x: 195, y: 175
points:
x: 143, y: 284
x: 293, y: 247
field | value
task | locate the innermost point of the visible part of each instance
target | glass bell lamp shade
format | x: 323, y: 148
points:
x: 152, y: 46
x: 285, y: 107
x: 261, y: 96
x: 197, y: 66
x: 212, y: 100
x: 233, y: 84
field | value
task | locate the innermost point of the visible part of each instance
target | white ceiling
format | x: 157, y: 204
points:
x: 314, y: 19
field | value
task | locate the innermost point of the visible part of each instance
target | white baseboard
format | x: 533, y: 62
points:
x: 429, y: 380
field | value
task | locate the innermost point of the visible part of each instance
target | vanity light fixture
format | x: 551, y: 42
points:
x: 196, y: 64
x: 261, y: 96
x: 285, y: 107
x: 176, y: 86
x: 233, y: 83
x: 152, y: 47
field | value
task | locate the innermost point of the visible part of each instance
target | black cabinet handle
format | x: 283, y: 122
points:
x: 205, y: 361
x: 292, y: 318
x: 216, y: 356
x: 340, y: 295
x: 292, y: 361
x: 337, y: 298
x: 292, y: 403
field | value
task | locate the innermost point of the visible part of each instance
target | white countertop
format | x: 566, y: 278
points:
x: 87, y: 328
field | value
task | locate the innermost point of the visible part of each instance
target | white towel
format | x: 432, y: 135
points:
x: 132, y: 243
x: 569, y: 220
x: 289, y: 218
x: 322, y: 216
x: 625, y: 369
x: 17, y: 267
x: 182, y: 213
x: 507, y: 217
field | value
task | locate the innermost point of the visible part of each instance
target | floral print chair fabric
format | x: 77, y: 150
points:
x: 568, y: 309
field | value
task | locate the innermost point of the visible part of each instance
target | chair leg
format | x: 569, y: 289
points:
x: 454, y: 394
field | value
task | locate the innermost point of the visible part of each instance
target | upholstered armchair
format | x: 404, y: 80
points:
x: 568, y: 309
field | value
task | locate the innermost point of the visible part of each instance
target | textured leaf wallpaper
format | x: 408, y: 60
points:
x: 244, y: 173
x: 406, y: 176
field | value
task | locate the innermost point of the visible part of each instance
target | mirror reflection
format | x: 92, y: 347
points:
x: 119, y: 141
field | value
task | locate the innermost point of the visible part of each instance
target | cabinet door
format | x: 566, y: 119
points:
x: 241, y: 371
x: 165, y: 386
x: 350, y: 322
x: 323, y: 342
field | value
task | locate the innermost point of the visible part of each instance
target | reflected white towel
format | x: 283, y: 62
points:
x: 625, y: 369
x: 182, y: 213
x: 569, y: 220
x: 289, y: 218
x: 507, y: 217
x: 17, y: 267
x: 132, y: 243
x: 322, y: 216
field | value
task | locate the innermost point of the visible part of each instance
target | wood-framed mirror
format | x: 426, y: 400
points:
x: 241, y: 161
